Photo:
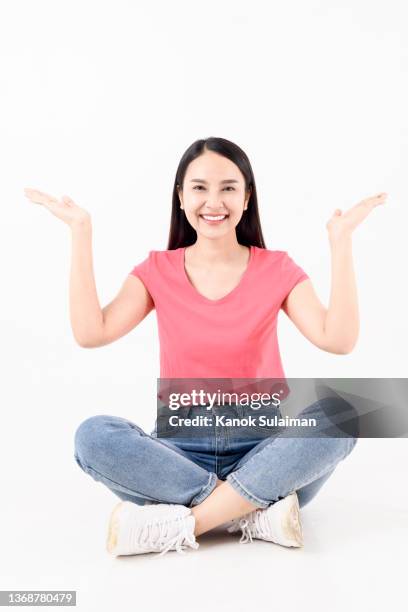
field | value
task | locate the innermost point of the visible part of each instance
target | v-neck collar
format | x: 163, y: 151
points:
x: 230, y: 294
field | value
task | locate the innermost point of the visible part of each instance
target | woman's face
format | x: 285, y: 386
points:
x: 213, y: 186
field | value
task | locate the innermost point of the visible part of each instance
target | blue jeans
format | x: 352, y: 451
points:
x: 142, y: 468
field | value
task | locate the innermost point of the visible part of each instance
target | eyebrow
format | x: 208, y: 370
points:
x: 197, y: 180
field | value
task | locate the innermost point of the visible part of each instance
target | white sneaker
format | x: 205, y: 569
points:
x: 278, y: 523
x: 135, y: 529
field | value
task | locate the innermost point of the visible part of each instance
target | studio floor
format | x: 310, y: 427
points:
x: 354, y: 558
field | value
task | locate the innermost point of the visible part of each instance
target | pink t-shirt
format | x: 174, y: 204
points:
x: 232, y: 337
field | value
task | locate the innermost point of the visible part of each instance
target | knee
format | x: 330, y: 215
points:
x: 352, y: 442
x: 337, y: 448
x: 97, y: 438
x: 89, y: 436
x: 347, y: 443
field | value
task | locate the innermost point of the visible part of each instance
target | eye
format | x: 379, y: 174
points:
x: 229, y: 187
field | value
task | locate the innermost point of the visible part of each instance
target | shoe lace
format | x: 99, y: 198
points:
x: 253, y: 524
x: 150, y: 539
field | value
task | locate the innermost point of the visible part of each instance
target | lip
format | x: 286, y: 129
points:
x: 218, y: 222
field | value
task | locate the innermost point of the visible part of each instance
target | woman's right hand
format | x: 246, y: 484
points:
x: 65, y: 209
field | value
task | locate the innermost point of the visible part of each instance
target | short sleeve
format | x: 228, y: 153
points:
x: 291, y: 275
x: 142, y: 271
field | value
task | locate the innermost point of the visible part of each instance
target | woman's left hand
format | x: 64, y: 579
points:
x: 342, y: 225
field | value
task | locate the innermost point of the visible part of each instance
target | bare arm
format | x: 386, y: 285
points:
x: 334, y: 329
x: 85, y: 312
x: 91, y: 325
x: 305, y: 310
x: 341, y: 324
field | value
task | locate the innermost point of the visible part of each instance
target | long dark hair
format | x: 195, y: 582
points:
x: 248, y: 230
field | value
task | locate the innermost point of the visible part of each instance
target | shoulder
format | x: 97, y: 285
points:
x: 155, y: 256
x: 164, y: 258
x: 156, y: 268
x: 165, y: 254
x: 286, y: 270
x: 270, y: 256
x: 274, y: 255
x: 269, y: 253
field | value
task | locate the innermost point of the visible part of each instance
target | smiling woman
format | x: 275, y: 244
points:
x: 214, y: 201
x: 217, y: 291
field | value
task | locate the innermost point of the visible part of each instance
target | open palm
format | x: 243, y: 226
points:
x: 65, y: 209
x: 343, y: 224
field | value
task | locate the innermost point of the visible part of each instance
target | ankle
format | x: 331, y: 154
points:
x: 197, y: 524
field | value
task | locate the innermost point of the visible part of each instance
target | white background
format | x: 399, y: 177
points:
x: 99, y: 100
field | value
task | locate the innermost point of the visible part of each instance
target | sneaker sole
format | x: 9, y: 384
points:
x: 292, y: 527
x: 113, y: 528
x: 126, y: 510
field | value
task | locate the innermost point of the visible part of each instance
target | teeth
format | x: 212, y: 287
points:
x: 212, y: 218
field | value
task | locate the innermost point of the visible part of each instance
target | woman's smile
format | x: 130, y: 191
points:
x: 213, y: 219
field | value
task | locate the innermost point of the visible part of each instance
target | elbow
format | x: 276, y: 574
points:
x: 85, y: 342
x: 88, y: 340
x: 344, y: 349
x: 349, y: 348
x: 339, y: 348
x: 340, y: 345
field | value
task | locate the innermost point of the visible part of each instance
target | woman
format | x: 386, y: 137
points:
x: 217, y: 292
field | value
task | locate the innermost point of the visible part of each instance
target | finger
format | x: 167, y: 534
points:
x: 34, y: 192
x: 39, y: 197
x: 375, y: 200
x: 381, y: 197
